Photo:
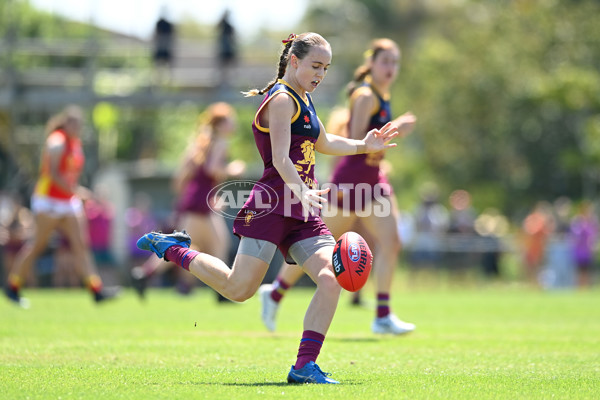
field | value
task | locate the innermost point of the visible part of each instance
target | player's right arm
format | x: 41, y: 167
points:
x: 279, y: 112
x: 362, y: 104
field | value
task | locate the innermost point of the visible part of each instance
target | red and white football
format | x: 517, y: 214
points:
x: 352, y: 261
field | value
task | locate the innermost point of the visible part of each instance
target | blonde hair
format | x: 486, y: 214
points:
x: 360, y: 74
x: 58, y: 121
x: 208, y: 121
x: 215, y: 114
x: 299, y: 46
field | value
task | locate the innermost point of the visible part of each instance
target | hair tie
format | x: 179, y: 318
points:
x: 289, y: 39
x: 368, y: 53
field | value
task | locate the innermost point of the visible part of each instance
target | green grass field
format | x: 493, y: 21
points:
x: 478, y: 343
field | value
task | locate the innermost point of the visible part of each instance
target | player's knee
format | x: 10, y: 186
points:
x: 327, y: 281
x: 241, y: 294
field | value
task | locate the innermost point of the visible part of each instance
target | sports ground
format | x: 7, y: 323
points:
x: 481, y: 342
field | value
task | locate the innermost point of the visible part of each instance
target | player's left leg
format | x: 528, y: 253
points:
x: 319, y: 314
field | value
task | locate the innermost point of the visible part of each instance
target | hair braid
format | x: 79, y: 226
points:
x: 281, y: 67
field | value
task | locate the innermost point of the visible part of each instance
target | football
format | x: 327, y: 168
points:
x: 352, y: 261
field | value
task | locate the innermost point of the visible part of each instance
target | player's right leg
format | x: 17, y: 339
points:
x: 237, y: 284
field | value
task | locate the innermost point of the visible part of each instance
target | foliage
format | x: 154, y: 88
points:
x: 505, y: 92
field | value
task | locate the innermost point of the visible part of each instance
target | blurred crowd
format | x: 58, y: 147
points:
x: 554, y: 245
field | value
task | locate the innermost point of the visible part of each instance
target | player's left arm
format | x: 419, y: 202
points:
x: 375, y: 140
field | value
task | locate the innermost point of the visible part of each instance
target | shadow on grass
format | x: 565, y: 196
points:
x: 258, y: 384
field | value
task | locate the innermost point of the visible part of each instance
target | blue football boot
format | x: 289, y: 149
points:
x: 159, y: 242
x: 310, y: 373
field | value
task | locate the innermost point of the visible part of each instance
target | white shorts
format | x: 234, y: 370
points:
x: 56, y: 207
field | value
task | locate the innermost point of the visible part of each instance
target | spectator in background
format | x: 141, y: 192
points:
x: 584, y: 231
x: 559, y: 266
x: 57, y: 205
x: 227, y: 48
x: 163, y: 40
x: 459, y: 255
x: 462, y: 215
x: 431, y: 222
x: 536, y: 229
x: 491, y: 226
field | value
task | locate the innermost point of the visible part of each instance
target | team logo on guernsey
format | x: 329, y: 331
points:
x: 229, y: 197
x: 248, y: 218
x: 308, y: 152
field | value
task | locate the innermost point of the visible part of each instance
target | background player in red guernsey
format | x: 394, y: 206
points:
x: 57, y: 206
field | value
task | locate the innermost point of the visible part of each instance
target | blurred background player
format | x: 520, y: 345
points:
x: 287, y: 132
x: 584, y: 233
x: 17, y: 226
x: 57, y: 206
x: 536, y: 230
x: 369, y: 95
x: 205, y: 165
